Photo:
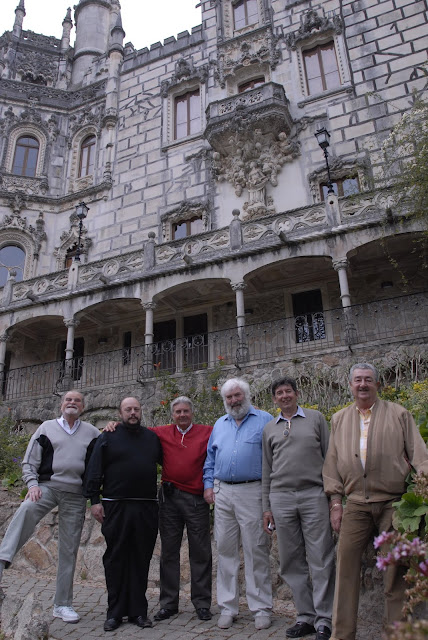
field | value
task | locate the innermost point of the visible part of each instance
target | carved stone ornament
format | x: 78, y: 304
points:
x: 256, y: 48
x: 36, y: 66
x: 16, y: 222
x: 253, y: 161
x: 311, y: 22
x: 184, y: 70
x: 69, y: 239
x: 29, y: 186
x: 186, y: 211
x: 84, y: 118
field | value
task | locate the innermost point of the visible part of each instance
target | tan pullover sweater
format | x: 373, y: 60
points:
x: 394, y: 443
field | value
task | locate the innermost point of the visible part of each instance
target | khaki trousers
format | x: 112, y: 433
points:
x: 359, y: 523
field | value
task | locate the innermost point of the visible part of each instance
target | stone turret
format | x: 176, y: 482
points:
x: 117, y: 35
x: 67, y: 25
x: 19, y: 19
x: 93, y: 27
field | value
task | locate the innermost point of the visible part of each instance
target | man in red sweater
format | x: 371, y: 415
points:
x: 181, y: 502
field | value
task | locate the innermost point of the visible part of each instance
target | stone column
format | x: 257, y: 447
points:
x: 67, y: 378
x: 242, y: 350
x: 147, y: 368
x: 340, y: 266
x: 3, y: 339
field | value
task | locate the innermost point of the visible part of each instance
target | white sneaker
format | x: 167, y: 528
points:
x: 262, y: 622
x: 68, y: 614
x: 225, y: 621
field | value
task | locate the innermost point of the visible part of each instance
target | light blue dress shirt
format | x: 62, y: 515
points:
x: 234, y: 454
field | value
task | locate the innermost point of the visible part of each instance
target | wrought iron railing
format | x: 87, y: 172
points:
x: 383, y: 322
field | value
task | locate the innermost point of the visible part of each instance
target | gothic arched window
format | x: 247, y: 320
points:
x: 87, y: 157
x: 25, y: 157
x: 11, y: 257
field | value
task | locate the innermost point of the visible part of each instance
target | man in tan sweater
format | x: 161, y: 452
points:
x: 373, y: 444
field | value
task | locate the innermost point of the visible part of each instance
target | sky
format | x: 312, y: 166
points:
x: 144, y: 21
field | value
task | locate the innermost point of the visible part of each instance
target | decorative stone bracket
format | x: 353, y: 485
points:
x: 250, y: 134
x: 311, y: 22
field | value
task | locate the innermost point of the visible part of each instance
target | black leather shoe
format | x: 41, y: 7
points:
x: 299, y: 630
x: 112, y: 623
x: 141, y: 621
x: 164, y: 614
x: 204, y: 614
x: 323, y: 633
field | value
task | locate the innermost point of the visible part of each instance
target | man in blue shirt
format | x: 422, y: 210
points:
x: 232, y: 480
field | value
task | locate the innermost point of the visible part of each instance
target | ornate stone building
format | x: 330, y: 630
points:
x: 214, y: 229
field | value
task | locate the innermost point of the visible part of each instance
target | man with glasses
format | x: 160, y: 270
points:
x: 294, y: 503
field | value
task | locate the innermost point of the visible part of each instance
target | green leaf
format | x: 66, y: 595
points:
x: 411, y: 498
x: 421, y: 511
x: 411, y: 524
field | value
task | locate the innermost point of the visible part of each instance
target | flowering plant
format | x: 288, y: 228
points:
x: 411, y: 553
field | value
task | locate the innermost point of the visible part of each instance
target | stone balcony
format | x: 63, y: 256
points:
x: 264, y: 109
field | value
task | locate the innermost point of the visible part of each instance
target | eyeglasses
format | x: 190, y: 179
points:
x: 287, y: 429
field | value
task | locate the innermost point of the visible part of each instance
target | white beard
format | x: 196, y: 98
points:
x: 239, y: 412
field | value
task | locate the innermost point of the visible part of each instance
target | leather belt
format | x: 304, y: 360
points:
x: 241, y: 481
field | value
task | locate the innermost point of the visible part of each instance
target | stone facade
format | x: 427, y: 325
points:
x: 198, y: 162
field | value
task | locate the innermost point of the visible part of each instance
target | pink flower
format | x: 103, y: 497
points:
x: 383, y: 538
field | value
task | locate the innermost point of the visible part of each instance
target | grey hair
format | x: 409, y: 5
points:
x: 180, y: 399
x: 73, y: 391
x: 364, y: 365
x: 236, y: 382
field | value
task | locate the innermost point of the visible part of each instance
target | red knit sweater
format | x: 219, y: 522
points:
x: 183, y: 461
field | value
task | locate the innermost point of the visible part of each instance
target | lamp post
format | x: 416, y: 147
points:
x: 323, y: 139
x: 81, y: 212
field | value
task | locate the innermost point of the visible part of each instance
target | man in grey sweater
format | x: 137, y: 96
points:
x: 53, y: 466
x: 294, y: 502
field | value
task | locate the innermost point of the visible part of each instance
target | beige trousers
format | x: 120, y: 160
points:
x: 360, y: 522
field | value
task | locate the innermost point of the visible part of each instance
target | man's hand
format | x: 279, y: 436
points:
x: 336, y: 513
x: 34, y: 494
x: 111, y: 426
x: 209, y: 496
x: 97, y: 511
x: 268, y: 522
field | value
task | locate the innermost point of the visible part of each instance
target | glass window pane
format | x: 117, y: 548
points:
x: 13, y: 257
x: 195, y: 113
x: 239, y: 15
x: 31, y: 164
x: 350, y: 186
x: 18, y: 162
x: 180, y: 230
x: 196, y: 226
x: 252, y: 11
x: 25, y: 158
x: 86, y: 165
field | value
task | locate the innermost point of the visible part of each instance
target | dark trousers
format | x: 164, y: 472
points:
x: 175, y: 511
x: 130, y: 528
